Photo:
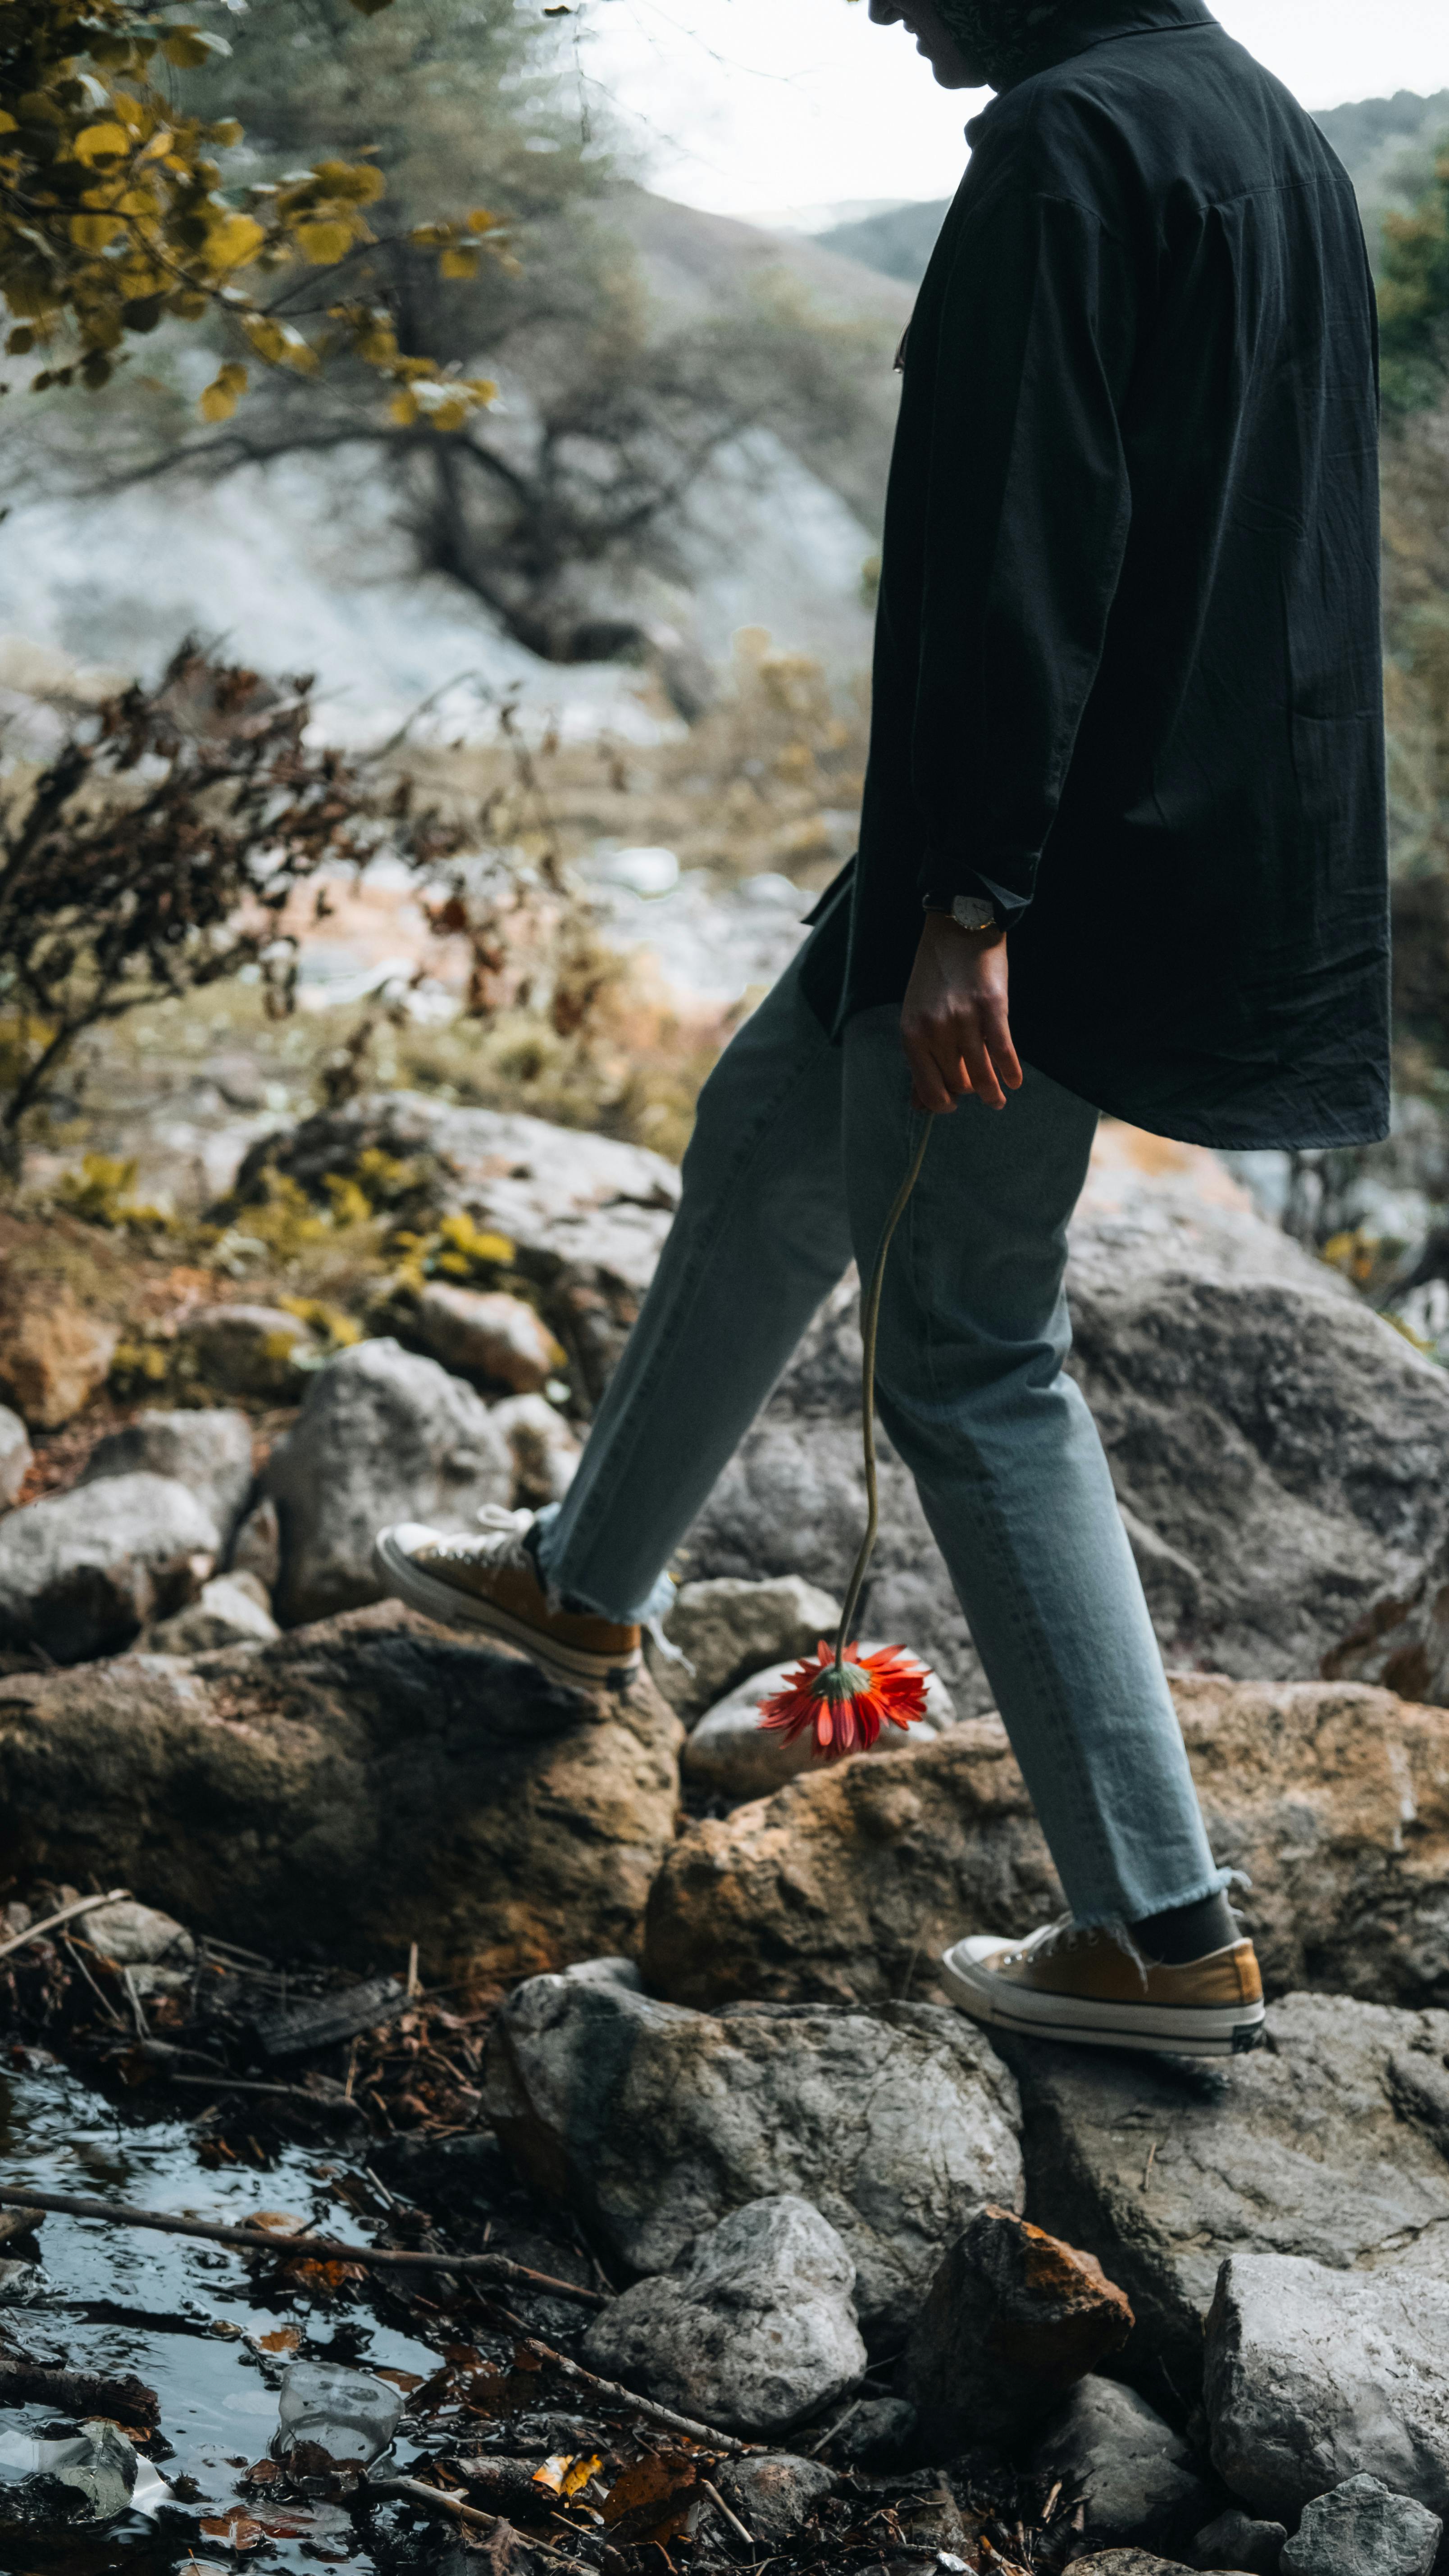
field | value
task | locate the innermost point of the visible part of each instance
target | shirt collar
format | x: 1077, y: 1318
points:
x: 1080, y: 24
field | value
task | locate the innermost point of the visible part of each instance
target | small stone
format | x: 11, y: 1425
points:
x: 248, y: 1350
x: 1011, y: 2319
x: 1237, y: 2542
x: 755, y: 2329
x: 546, y: 1451
x: 22, y: 2284
x: 730, y: 1628
x: 81, y: 1573
x: 881, y: 2434
x: 774, y: 2494
x: 1315, y: 2376
x: 226, y: 1612
x: 1361, y: 2528
x: 486, y: 1334
x: 53, y: 1355
x: 137, y: 1936
x: 206, y: 1448
x: 15, y: 1456
x: 1137, y: 2478
x: 1128, y: 2562
x: 382, y: 1436
x: 256, y: 1550
x: 730, y: 1755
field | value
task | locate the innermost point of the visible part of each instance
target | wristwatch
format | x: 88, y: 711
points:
x: 968, y: 911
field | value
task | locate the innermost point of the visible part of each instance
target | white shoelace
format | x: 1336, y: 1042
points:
x: 499, y: 1543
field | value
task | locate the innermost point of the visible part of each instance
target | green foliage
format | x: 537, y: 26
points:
x: 1414, y: 299
x: 103, y: 1193
x: 113, y: 215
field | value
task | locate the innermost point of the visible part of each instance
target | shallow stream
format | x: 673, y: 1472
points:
x: 193, y: 2322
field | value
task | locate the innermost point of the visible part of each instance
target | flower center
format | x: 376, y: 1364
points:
x: 842, y: 1681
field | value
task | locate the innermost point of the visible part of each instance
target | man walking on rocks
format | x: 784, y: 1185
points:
x: 1127, y: 743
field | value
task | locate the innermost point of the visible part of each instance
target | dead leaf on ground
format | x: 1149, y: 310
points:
x: 283, y: 2339
x: 235, y: 2530
x: 652, y: 2499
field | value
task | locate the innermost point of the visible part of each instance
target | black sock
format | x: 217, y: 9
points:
x: 1186, y: 1932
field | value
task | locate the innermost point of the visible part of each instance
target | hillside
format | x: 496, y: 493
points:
x: 1385, y: 144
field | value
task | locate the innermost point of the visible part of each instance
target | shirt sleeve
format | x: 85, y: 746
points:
x: 1028, y: 511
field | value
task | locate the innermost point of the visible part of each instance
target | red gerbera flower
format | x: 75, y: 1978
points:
x: 845, y: 1704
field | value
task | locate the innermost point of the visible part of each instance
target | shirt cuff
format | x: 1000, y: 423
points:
x: 939, y: 880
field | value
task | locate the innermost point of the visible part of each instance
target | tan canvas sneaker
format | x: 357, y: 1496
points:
x: 487, y: 1579
x: 1064, y: 1983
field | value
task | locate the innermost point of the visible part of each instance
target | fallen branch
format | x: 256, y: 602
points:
x: 433, y: 2500
x: 724, y: 2443
x: 67, y: 1914
x: 23, y: 2382
x: 337, y: 2105
x: 322, y: 2249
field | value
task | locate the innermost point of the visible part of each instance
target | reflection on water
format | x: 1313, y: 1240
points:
x: 187, y: 2319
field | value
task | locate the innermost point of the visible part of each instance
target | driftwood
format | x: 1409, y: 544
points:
x: 433, y: 2500
x: 725, y: 2444
x: 24, y: 2382
x: 325, y: 2019
x: 317, y: 2249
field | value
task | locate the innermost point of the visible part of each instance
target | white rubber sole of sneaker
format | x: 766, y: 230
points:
x: 1163, y: 2030
x: 437, y: 1600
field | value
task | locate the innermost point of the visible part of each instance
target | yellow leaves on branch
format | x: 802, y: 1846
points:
x: 113, y: 215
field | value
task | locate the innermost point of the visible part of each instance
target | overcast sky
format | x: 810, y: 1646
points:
x: 751, y: 105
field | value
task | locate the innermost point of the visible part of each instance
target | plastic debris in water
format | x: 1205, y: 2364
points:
x: 85, y: 2476
x: 334, y: 2422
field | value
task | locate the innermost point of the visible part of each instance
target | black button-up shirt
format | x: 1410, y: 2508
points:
x: 1128, y: 677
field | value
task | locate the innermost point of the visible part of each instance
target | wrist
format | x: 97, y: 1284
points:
x: 968, y: 912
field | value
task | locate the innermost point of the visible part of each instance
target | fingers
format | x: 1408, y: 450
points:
x: 961, y: 1050
x: 936, y: 1079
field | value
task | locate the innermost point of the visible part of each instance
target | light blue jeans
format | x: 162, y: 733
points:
x: 797, y: 1154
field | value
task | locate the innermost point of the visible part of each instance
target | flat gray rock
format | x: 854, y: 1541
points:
x: 382, y: 1436
x: 1314, y: 2376
x: 653, y: 2122
x: 207, y: 1448
x: 81, y: 1573
x: 1362, y: 2529
x: 1138, y: 2479
x: 1317, y: 2146
x: 752, y: 2331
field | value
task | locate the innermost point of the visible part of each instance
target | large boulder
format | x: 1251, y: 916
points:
x: 752, y: 2331
x: 1329, y: 2144
x: 383, y: 1435
x: 1281, y: 1455
x: 1313, y: 2376
x: 360, y: 1785
x: 1333, y: 1798
x: 208, y: 1448
x: 81, y: 1573
x: 586, y: 1215
x: 654, y: 2123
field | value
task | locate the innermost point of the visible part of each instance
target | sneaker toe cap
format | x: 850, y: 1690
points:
x: 404, y: 1538
x: 978, y: 1947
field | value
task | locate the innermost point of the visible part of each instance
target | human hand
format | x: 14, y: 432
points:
x: 954, y: 1023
